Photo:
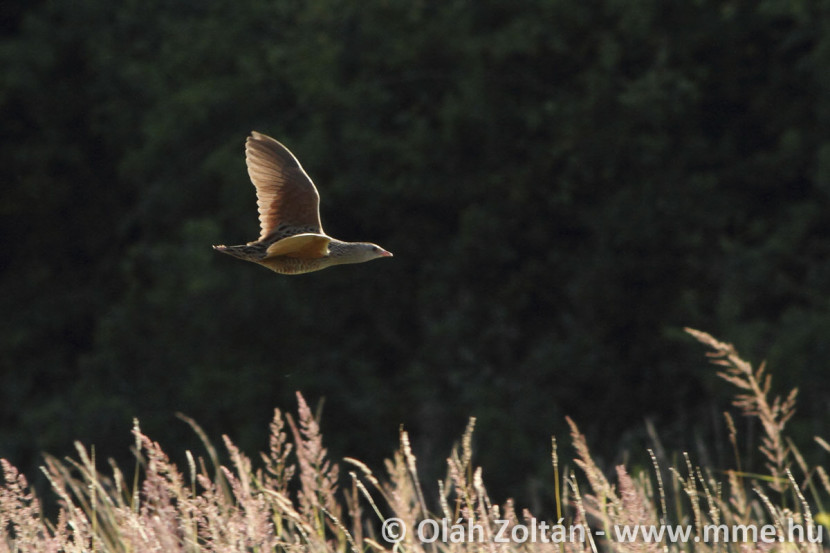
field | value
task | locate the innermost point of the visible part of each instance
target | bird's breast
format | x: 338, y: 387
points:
x: 295, y: 265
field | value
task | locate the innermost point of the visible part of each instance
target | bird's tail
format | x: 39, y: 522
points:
x: 247, y: 252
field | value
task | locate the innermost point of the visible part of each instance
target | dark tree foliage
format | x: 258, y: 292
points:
x: 565, y: 185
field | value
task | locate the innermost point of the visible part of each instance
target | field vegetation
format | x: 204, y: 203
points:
x: 294, y: 497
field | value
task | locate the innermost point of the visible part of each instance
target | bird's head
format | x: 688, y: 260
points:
x: 365, y: 251
x: 373, y: 251
x: 355, y: 252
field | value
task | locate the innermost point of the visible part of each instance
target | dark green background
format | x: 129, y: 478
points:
x: 564, y: 184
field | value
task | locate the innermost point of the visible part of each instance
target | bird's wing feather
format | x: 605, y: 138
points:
x: 287, y: 199
x: 307, y: 246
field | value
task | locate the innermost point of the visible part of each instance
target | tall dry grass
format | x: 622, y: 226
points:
x: 296, y: 499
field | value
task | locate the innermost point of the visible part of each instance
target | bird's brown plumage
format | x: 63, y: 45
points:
x: 291, y: 238
x: 285, y: 194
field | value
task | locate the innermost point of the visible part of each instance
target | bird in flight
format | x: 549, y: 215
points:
x: 291, y: 240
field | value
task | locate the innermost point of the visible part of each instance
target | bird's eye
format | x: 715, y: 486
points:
x: 375, y: 249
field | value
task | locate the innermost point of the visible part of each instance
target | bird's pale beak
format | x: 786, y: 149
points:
x: 385, y: 253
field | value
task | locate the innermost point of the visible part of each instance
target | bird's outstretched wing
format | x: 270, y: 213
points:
x: 288, y: 201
